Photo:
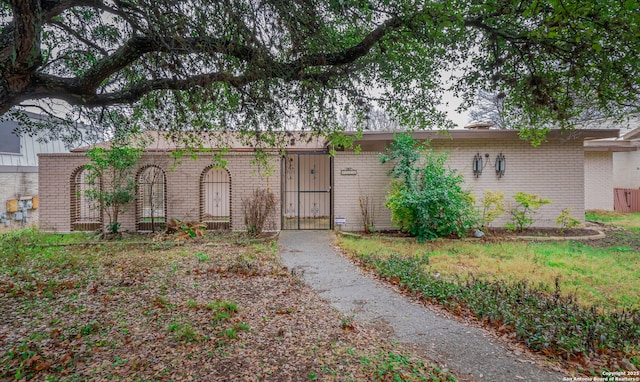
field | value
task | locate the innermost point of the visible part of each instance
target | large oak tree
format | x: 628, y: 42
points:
x: 263, y: 64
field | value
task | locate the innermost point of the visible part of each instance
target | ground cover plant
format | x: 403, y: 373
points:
x: 560, y: 299
x: 213, y: 308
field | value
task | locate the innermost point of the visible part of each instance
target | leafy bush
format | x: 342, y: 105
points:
x: 426, y: 199
x: 257, y: 209
x: 527, y: 205
x: 565, y: 220
x: 544, y: 321
x: 492, y: 207
x: 185, y: 230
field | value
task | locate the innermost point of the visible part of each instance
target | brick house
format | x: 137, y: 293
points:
x: 316, y: 190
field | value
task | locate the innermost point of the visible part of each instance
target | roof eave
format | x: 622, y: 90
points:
x: 583, y: 134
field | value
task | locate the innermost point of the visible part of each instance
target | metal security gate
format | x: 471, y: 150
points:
x: 306, y: 197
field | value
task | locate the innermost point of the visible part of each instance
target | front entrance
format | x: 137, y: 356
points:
x: 306, y: 196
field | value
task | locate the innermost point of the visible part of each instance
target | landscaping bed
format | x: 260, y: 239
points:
x: 574, y: 301
x: 503, y: 233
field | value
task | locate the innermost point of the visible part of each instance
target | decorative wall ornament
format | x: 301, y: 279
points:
x: 477, y: 165
x: 290, y: 210
x: 501, y: 165
x: 290, y: 169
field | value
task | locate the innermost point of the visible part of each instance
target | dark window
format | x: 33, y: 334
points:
x: 9, y: 142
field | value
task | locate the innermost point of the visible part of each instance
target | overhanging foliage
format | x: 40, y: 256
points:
x: 268, y: 64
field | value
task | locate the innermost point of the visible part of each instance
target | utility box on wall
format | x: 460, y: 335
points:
x: 12, y: 205
x: 22, y: 204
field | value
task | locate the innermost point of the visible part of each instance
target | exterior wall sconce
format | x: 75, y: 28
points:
x: 501, y: 165
x: 289, y: 169
x: 478, y: 165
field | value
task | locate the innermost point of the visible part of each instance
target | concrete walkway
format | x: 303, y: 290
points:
x: 467, y: 351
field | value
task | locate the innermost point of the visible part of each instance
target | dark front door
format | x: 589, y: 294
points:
x: 306, y: 197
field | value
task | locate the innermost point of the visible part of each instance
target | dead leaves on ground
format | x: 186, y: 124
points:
x: 204, y: 311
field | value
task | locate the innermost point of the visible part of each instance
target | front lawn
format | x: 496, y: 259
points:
x: 614, y: 218
x: 224, y: 308
x: 578, y: 301
x: 608, y: 277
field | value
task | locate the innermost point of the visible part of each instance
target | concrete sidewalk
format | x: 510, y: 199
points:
x: 467, y: 351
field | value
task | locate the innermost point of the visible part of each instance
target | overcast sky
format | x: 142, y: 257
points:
x: 461, y: 120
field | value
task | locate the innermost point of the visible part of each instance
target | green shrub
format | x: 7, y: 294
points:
x: 426, y: 199
x: 565, y: 220
x: 527, y: 205
x: 544, y: 321
x: 492, y: 207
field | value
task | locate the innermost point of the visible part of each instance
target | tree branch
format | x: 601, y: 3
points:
x: 73, y: 33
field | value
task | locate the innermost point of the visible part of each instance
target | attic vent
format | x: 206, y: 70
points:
x: 480, y: 126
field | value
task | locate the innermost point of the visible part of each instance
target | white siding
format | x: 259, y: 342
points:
x: 626, y: 169
x: 29, y: 150
x: 598, y: 180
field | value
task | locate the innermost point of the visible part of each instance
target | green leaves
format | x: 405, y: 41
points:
x: 525, y: 208
x: 546, y: 322
x: 235, y: 66
x: 426, y: 200
x: 111, y: 179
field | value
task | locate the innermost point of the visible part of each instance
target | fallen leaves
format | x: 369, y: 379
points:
x: 208, y: 310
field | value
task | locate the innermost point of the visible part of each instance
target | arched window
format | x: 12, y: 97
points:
x: 86, y: 214
x: 151, y: 205
x: 215, y: 198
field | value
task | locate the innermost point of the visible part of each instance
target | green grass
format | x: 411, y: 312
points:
x: 391, y: 366
x: 607, y: 277
x: 626, y: 220
x: 575, y: 300
x: 157, y: 219
x: 34, y: 237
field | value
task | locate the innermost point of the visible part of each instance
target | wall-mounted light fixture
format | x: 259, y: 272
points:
x: 477, y: 165
x: 501, y: 165
x: 289, y: 169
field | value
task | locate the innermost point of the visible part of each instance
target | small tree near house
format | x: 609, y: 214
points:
x: 492, y: 206
x: 114, y: 166
x: 368, y: 213
x: 523, y: 211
